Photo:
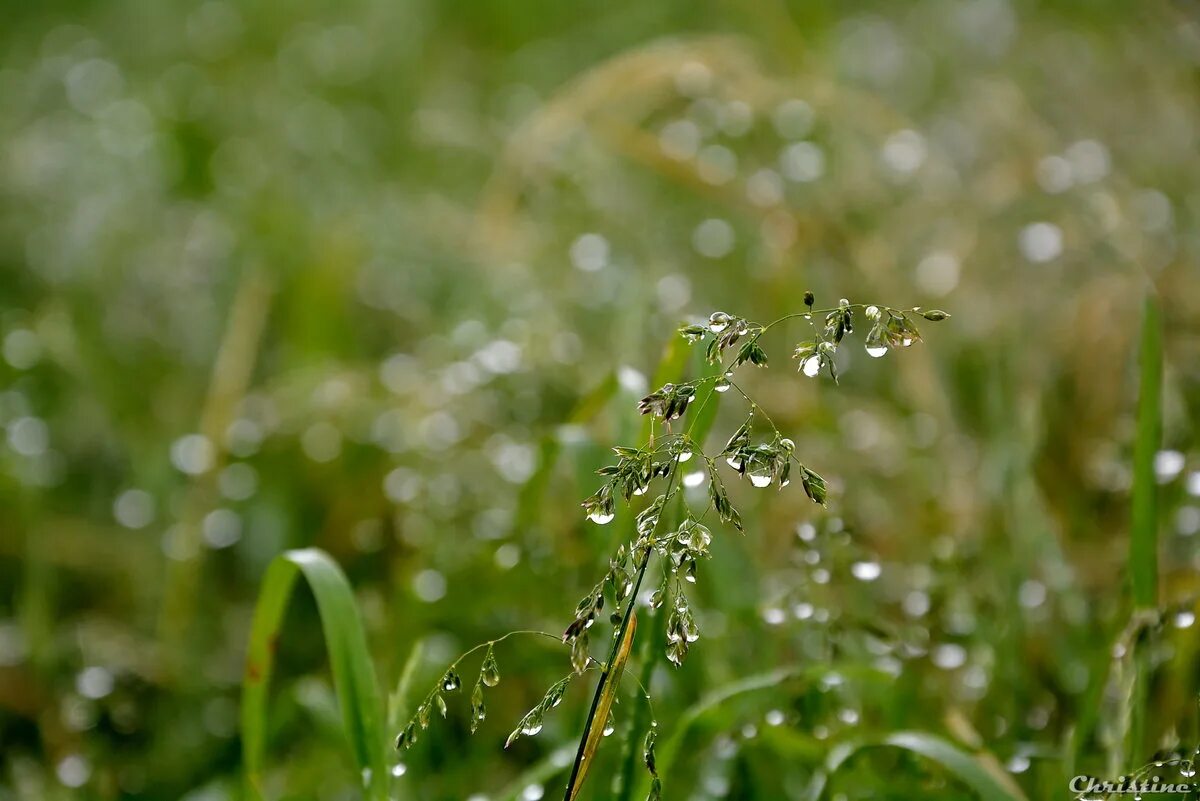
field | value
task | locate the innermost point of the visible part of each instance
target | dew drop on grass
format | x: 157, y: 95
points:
x: 811, y: 366
x: 489, y: 673
x: 760, y: 480
x: 399, y: 769
x: 610, y: 725
x: 685, y: 456
x: 601, y: 517
x: 722, y: 385
x: 1187, y: 771
x: 531, y: 727
x: 875, y: 351
x: 734, y: 462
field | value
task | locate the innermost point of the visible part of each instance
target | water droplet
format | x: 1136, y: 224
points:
x: 722, y: 385
x: 734, y: 462
x: 638, y: 491
x: 906, y: 342
x: 866, y: 571
x: 872, y: 312
x: 489, y: 672
x: 949, y: 656
x: 811, y: 366
x: 875, y: 351
x: 532, y: 727
x: 1018, y: 764
x: 451, y: 681
x: 1187, y: 771
x: 685, y: 456
x: 773, y: 616
x: 760, y: 479
x: 1185, y: 619
x: 601, y: 517
x: 610, y: 725
x: 399, y: 769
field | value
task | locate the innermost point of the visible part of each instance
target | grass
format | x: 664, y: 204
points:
x: 405, y: 272
x: 353, y: 671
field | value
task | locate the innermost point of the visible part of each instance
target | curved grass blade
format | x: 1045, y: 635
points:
x: 668, y: 752
x: 986, y: 782
x: 606, y: 693
x: 346, y: 644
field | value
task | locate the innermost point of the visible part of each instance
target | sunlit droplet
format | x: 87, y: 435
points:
x: 811, y: 366
x: 866, y: 571
x: 875, y: 351
x: 601, y: 517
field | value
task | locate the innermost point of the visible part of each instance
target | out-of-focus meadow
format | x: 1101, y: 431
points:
x: 387, y: 278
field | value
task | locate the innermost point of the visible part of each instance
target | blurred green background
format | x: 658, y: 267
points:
x: 275, y: 275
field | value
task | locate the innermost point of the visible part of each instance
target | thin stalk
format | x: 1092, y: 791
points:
x: 606, y: 674
x: 651, y: 646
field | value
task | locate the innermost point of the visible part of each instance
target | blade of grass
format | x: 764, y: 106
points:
x: 606, y: 693
x: 529, y: 500
x: 1143, y: 533
x: 346, y: 644
x: 965, y: 766
x: 1143, y: 542
x: 398, y: 710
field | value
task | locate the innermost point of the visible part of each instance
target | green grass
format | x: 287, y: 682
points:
x: 353, y: 671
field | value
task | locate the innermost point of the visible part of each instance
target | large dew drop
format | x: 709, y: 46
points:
x: 601, y: 517
x: 811, y: 366
x: 875, y: 351
x: 760, y: 480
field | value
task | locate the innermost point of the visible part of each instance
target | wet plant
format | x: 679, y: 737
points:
x: 667, y: 526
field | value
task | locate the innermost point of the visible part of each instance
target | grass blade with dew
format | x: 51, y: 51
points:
x: 988, y: 784
x: 346, y: 644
